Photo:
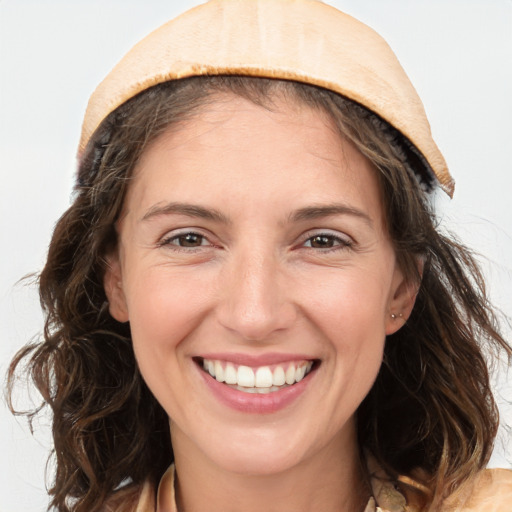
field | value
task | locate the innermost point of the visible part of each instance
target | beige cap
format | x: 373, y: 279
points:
x: 303, y: 40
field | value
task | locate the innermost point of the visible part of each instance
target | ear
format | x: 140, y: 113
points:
x: 113, y: 285
x: 403, y: 296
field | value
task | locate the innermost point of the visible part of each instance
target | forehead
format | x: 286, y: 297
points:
x: 233, y: 147
x: 231, y: 120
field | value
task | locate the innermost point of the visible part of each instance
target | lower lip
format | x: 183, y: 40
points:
x: 254, y: 402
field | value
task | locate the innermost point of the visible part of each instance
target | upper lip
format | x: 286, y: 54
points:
x: 256, y: 360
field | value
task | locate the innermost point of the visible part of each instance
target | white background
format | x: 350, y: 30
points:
x: 53, y: 53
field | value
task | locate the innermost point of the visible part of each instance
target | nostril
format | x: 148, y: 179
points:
x: 257, y: 323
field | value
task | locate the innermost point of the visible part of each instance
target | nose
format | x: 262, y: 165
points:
x: 255, y: 298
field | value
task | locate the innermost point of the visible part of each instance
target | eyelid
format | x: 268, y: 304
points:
x: 166, y: 240
x: 345, y: 240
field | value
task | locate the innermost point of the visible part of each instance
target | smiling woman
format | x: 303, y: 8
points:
x: 248, y: 304
x: 264, y: 279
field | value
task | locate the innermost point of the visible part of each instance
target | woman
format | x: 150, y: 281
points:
x: 251, y: 258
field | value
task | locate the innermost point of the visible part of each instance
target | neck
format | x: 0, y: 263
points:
x: 332, y: 480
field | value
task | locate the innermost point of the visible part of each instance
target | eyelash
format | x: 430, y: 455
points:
x: 168, y: 241
x: 339, y: 243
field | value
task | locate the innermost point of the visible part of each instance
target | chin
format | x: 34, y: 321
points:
x: 257, y: 462
x: 262, y: 451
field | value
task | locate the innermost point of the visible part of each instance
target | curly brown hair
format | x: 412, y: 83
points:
x: 431, y: 407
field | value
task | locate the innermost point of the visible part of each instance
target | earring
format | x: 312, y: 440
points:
x: 393, y: 316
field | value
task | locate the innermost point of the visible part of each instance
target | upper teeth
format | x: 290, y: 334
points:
x: 261, y: 377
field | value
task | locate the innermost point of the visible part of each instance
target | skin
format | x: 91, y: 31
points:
x: 258, y: 282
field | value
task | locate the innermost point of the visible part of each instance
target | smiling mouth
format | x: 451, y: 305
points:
x: 262, y: 380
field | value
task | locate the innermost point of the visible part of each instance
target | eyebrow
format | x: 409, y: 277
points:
x: 317, y: 212
x: 302, y: 214
x: 190, y: 210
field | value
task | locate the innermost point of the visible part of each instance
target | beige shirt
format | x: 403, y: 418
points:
x: 490, y: 492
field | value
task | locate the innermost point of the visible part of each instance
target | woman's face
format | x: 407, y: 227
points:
x: 253, y: 250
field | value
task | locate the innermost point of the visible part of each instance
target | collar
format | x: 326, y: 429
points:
x: 490, y: 491
x: 387, y: 496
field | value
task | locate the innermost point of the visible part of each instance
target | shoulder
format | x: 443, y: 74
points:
x: 490, y: 491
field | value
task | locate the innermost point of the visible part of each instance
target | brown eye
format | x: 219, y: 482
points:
x: 327, y: 241
x: 322, y: 242
x: 189, y: 240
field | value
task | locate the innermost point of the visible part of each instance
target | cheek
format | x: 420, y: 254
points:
x: 163, y: 309
x: 349, y: 310
x: 351, y: 303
